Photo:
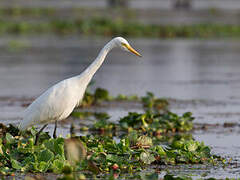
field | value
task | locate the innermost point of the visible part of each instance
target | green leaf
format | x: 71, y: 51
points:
x: 41, y: 166
x: 15, y: 164
x: 45, y: 156
x: 178, y: 144
x: 146, y: 157
x: 9, y: 138
x: 112, y: 158
x: 101, y: 94
x: 144, y: 141
x: 58, y: 165
x: 159, y: 149
x: 56, y: 146
x: 133, y: 137
x: 191, y: 146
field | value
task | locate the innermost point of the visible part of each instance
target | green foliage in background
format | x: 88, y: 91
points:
x: 102, y: 26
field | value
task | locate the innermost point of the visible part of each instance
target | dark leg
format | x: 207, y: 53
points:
x: 55, y: 129
x: 38, y: 133
x: 72, y: 130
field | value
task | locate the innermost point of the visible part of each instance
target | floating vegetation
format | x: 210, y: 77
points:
x: 136, y: 142
x: 32, y: 12
x: 97, y: 97
x: 102, y: 26
x: 95, y: 154
x: 17, y: 46
x: 18, y: 153
x: 158, y: 123
x: 87, y: 114
x: 154, y: 123
x: 149, y: 101
x: 156, y: 119
x: 100, y: 95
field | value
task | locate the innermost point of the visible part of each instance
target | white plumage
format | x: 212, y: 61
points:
x: 58, y: 102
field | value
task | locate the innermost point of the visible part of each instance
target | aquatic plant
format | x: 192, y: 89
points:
x: 153, y: 123
x: 158, y: 123
x: 99, y: 154
x: 151, y: 103
x: 102, y: 26
x: 97, y: 97
x: 18, y: 153
x: 149, y: 139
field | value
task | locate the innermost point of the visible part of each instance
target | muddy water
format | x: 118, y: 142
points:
x: 201, y: 76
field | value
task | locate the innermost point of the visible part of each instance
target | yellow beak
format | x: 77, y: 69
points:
x: 132, y: 50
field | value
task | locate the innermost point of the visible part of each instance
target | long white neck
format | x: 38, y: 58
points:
x: 95, y: 65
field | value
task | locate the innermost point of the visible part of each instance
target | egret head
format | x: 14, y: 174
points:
x: 121, y: 42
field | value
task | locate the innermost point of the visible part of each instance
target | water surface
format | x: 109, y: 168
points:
x: 201, y: 76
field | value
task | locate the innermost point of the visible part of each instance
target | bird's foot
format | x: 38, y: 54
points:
x: 55, y: 130
x: 38, y: 134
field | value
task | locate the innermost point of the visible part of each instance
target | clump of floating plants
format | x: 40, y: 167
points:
x: 152, y: 123
x: 94, y: 154
x: 147, y: 140
x: 102, y: 26
x: 155, y: 119
x: 149, y: 101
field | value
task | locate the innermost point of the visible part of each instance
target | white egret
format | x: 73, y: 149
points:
x: 58, y: 102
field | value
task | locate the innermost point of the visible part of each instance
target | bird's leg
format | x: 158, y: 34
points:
x: 38, y: 133
x: 72, y: 130
x: 55, y: 129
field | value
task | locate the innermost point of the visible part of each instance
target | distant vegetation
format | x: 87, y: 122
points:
x: 107, y: 27
x: 97, y: 22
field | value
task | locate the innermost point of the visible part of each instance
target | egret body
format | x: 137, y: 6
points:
x: 58, y: 102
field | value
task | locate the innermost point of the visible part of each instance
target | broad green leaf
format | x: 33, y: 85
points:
x: 58, y: 165
x: 45, y: 156
x: 41, y: 166
x: 144, y: 141
x: 9, y: 138
x: 146, y: 157
x: 159, y: 149
x: 15, y: 164
x: 55, y: 145
x: 191, y: 146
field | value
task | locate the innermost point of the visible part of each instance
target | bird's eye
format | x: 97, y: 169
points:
x: 124, y: 45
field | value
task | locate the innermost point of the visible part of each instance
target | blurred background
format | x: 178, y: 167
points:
x: 190, y: 48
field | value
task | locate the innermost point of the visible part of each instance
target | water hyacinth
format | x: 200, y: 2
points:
x: 95, y: 153
x: 151, y: 138
x: 159, y: 123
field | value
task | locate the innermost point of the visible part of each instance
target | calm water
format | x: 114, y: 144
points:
x: 206, y: 71
x: 182, y: 69
x: 201, y: 76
